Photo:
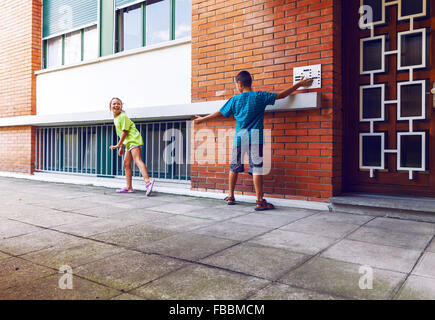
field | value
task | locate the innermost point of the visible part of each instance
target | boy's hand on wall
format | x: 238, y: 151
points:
x: 306, y: 82
x: 198, y: 119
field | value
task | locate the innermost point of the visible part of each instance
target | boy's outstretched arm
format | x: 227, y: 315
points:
x: 198, y: 119
x: 303, y: 83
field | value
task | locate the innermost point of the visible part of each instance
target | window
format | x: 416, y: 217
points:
x: 54, y: 52
x: 71, y: 48
x: 157, y: 22
x: 151, y: 22
x: 130, y: 28
x: 90, y: 43
x: 183, y: 18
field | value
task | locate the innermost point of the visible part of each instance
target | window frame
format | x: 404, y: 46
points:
x: 63, y: 35
x: 118, y: 37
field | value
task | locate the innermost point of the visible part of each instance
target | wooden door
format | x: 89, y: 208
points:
x: 388, y: 73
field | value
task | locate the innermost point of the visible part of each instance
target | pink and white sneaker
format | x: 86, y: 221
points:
x: 149, y: 187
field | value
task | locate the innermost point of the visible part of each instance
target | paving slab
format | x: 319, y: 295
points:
x: 188, y: 246
x: 135, y: 236
x: 332, y: 225
x: 267, y: 220
x: 15, y: 271
x: 128, y: 270
x: 418, y: 288
x: 285, y: 292
x: 343, y: 279
x: 180, y: 223
x: 294, y: 241
x: 126, y: 297
x: 73, y: 254
x: 431, y: 247
x: 52, y: 218
x: 403, y: 226
x: 231, y: 230
x: 98, y: 225
x: 377, y: 256
x: 256, y: 260
x: 216, y: 213
x: 177, y: 208
x: 381, y: 236
x: 195, y: 282
x: 426, y: 266
x: 35, y: 241
x: 65, y: 204
x: 4, y: 256
x: 48, y: 289
x: 10, y: 228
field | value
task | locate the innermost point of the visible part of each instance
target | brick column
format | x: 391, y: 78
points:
x: 269, y: 39
x: 20, y: 56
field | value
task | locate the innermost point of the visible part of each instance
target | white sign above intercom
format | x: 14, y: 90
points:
x: 312, y: 72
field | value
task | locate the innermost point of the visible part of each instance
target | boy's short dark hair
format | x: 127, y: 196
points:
x: 245, y: 78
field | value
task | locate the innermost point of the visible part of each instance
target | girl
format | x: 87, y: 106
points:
x: 131, y: 138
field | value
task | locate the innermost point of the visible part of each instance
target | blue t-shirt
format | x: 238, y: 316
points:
x: 248, y: 110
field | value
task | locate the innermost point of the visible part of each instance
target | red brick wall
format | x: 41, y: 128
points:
x: 269, y: 39
x: 20, y: 56
x: 15, y: 153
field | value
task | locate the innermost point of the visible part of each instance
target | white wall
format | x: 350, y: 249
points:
x: 149, y: 77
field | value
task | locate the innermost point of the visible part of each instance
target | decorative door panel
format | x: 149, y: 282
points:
x: 388, y: 111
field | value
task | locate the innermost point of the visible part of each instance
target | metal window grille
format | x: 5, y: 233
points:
x: 85, y: 150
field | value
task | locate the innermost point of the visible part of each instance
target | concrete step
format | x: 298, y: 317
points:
x: 411, y: 208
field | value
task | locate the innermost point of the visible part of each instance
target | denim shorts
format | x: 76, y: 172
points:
x: 255, y: 155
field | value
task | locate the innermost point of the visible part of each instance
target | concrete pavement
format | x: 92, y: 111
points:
x: 175, y: 247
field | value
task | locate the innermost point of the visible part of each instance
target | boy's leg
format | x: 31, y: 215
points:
x: 235, y: 167
x: 258, y: 185
x: 136, y: 154
x: 233, y: 182
x: 128, y: 171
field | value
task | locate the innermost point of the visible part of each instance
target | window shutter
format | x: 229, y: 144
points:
x: 121, y: 3
x: 60, y: 16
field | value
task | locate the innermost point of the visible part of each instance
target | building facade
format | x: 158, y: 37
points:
x: 366, y: 126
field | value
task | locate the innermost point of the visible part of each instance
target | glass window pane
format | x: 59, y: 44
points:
x: 90, y: 50
x: 157, y: 22
x: 411, y: 100
x: 412, y: 7
x: 371, y: 151
x: 377, y: 9
x: 54, y: 52
x: 372, y: 55
x: 411, y: 49
x: 132, y: 28
x: 73, y: 47
x: 411, y: 151
x: 183, y: 18
x: 372, y: 103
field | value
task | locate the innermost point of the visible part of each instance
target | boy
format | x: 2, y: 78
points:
x: 248, y: 109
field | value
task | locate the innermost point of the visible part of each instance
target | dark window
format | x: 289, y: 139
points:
x: 371, y: 151
x: 372, y: 103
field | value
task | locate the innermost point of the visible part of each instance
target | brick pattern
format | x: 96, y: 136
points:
x: 269, y: 39
x: 15, y: 155
x: 20, y: 56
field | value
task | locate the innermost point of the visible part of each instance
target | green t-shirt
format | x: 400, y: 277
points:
x: 122, y: 122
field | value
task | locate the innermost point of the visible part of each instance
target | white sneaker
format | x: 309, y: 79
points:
x: 149, y: 187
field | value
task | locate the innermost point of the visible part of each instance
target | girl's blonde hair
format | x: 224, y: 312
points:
x: 115, y: 98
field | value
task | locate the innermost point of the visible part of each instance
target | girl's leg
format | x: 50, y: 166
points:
x: 128, y: 171
x: 136, y: 155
